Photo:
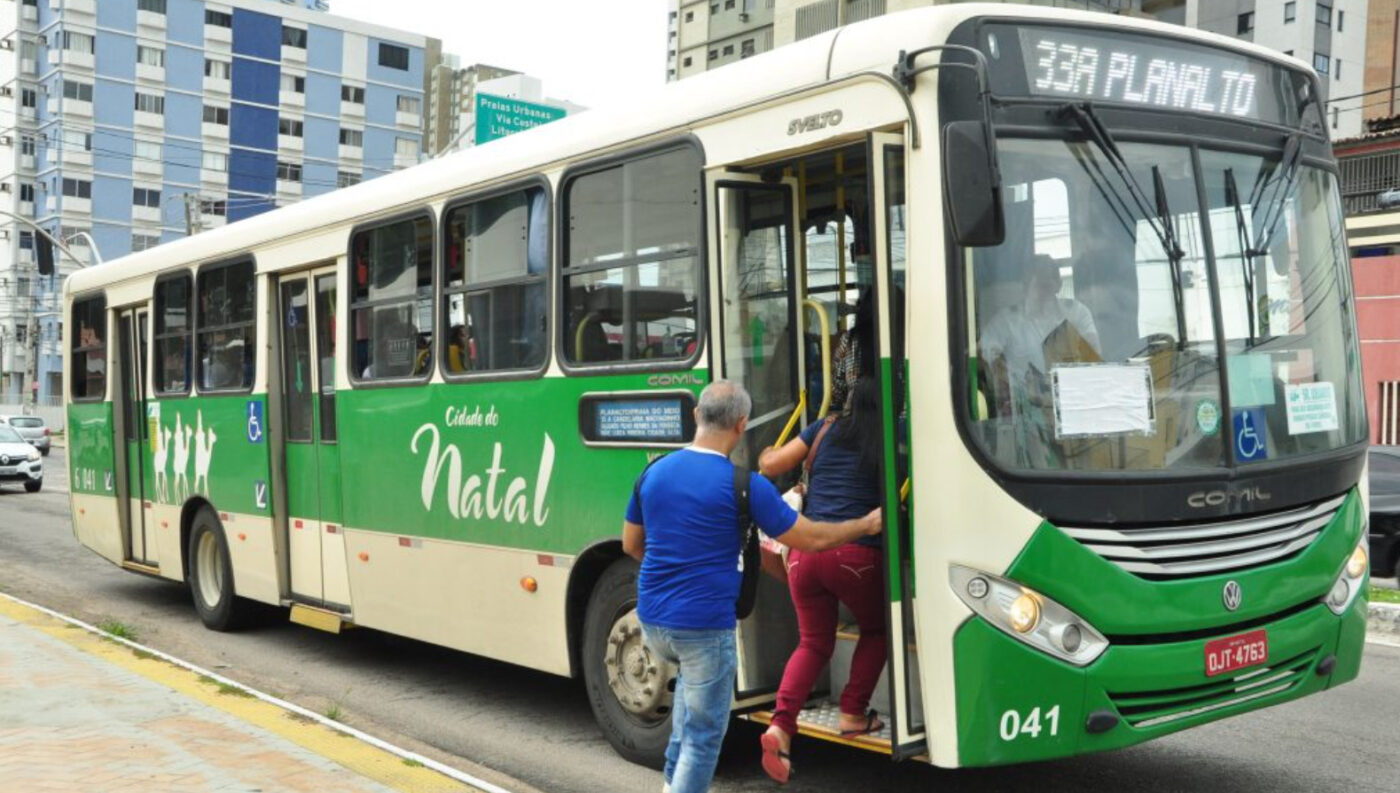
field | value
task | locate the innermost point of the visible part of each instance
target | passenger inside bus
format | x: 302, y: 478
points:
x: 458, y: 350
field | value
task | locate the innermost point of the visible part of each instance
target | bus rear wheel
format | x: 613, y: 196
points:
x: 211, y: 575
x: 629, y: 687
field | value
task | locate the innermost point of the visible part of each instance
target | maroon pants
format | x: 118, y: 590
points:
x: 819, y: 581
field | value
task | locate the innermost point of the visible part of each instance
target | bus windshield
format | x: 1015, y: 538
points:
x: 1122, y: 327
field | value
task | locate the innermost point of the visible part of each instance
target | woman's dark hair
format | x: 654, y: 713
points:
x: 863, y: 331
x: 860, y: 429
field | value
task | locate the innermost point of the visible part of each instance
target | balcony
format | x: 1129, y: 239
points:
x: 153, y: 169
x: 146, y: 214
x: 76, y: 157
x: 78, y: 60
x: 293, y: 54
x: 150, y: 20
x: 88, y: 7
x: 26, y: 208
x: 355, y: 153
x: 28, y: 162
x: 151, y: 120
x: 77, y: 206
x: 155, y: 74
x: 213, y: 180
x: 290, y: 143
x: 219, y: 131
x: 216, y: 34
x: 217, y: 85
x: 351, y: 109
x: 77, y: 107
x: 411, y: 120
x: 29, y: 13
x: 402, y: 160
x: 291, y: 99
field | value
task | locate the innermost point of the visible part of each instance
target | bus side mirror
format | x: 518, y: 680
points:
x: 972, y: 185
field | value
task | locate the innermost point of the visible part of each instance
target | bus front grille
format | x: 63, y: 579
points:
x: 1208, y: 548
x: 1153, y: 708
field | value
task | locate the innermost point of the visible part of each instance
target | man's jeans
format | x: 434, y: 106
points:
x: 700, y: 710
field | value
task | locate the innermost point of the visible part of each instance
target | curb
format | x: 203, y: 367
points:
x: 1383, y: 621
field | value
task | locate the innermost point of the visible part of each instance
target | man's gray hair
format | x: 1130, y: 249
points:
x: 722, y: 404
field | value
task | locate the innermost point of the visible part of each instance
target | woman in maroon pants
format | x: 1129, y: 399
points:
x: 843, y: 462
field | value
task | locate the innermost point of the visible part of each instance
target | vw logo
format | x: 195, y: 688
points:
x: 1232, y: 595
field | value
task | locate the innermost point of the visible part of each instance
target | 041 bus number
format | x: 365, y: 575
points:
x: 1013, y: 725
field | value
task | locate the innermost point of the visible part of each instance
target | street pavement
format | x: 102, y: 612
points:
x: 471, y: 712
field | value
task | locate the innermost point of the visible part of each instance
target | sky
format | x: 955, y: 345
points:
x: 590, y: 53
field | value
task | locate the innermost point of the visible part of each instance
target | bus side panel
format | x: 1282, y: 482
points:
x: 217, y: 450
x: 91, y: 480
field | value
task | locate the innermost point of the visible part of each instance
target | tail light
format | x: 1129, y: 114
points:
x: 47, y: 432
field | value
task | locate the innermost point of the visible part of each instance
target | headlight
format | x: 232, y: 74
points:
x: 33, y: 455
x: 1028, y: 616
x: 1344, y: 590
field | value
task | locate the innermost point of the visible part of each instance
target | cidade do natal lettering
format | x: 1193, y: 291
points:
x: 479, y: 496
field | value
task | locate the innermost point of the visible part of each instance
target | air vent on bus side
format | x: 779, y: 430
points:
x: 1209, y: 548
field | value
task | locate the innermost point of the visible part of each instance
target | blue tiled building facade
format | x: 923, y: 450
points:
x: 139, y: 120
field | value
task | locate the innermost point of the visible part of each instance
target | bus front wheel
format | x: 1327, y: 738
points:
x: 211, y: 575
x: 629, y: 687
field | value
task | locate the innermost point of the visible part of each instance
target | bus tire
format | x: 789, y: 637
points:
x: 211, y: 575
x: 629, y: 688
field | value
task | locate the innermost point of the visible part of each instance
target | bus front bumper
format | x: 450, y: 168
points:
x: 1017, y: 704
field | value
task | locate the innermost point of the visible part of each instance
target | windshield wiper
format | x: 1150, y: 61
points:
x: 1266, y: 223
x: 1161, y: 221
x: 1247, y: 253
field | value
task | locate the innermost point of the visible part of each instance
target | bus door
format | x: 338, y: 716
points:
x: 758, y: 325
x: 318, y: 574
x: 138, y: 482
x: 887, y: 213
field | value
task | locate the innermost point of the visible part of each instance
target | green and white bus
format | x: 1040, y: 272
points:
x: 419, y: 404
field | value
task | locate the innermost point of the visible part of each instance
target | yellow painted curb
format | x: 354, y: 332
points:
x: 368, y: 761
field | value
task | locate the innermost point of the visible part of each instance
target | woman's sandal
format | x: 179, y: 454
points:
x: 872, y: 725
x: 776, y: 763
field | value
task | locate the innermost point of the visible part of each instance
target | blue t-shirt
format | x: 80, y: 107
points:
x: 691, y: 570
x: 837, y: 488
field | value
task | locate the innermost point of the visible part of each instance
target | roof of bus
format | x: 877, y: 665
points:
x: 871, y: 45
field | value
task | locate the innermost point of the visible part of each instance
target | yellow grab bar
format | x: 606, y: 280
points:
x: 792, y: 422
x: 904, y: 491
x: 578, y: 336
x: 825, y: 322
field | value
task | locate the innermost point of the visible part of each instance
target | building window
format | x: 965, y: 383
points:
x: 1245, y: 23
x: 1320, y: 62
x: 26, y: 192
x: 714, y: 9
x: 26, y: 145
x: 143, y: 242
x: 173, y: 329
x: 290, y: 126
x: 150, y: 103
x: 495, y: 296
x: 714, y: 55
x: 79, y: 42
x: 28, y: 97
x: 75, y: 90
x: 411, y: 105
x: 633, y: 231
x: 216, y: 115
x: 728, y: 4
x: 218, y: 19
x: 154, y: 6
x: 147, y: 150
x: 346, y: 179
x: 353, y: 94
x: 729, y: 49
x: 78, y: 140
x: 88, y: 363
x: 406, y: 147
x: 225, y: 326
x: 215, y: 161
x: 686, y: 61
x: 26, y: 241
x: 1290, y: 12
x: 1324, y: 14
x: 293, y: 83
x: 746, y: 48
x: 288, y: 171
x: 1337, y: 69
x: 352, y: 137
x: 77, y: 188
x: 293, y: 37
x: 1341, y: 17
x: 391, y: 300
x: 219, y: 70
x: 213, y: 206
x: 392, y: 56
x: 145, y: 197
x: 1336, y: 115
x: 690, y: 16
x: 150, y: 56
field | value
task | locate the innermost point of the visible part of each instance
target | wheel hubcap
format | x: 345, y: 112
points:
x: 210, y: 561
x: 639, y: 679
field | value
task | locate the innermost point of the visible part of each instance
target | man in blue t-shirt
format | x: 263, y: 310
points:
x: 686, y: 531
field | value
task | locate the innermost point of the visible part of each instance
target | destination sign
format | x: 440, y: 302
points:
x: 1133, y: 71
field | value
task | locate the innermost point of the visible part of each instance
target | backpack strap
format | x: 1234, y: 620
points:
x: 750, y: 558
x: 637, y: 486
x: 741, y: 496
x: 816, y: 443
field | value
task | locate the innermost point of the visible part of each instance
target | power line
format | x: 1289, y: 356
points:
x: 1364, y: 93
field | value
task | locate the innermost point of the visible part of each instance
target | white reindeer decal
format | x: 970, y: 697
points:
x: 203, y: 452
x: 180, y: 489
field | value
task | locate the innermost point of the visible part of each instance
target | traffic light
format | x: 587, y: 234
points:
x: 43, y: 249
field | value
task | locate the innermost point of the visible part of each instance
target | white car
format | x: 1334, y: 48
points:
x: 19, y: 461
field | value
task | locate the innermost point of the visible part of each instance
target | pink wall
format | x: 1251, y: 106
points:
x: 1377, y: 282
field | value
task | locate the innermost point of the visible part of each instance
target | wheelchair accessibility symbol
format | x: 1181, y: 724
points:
x: 255, y: 422
x: 1251, y: 442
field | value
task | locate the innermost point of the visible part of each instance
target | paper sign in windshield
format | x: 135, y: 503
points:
x: 1102, y: 399
x: 1312, y: 407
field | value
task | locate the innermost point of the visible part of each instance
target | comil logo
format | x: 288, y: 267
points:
x: 1232, y: 595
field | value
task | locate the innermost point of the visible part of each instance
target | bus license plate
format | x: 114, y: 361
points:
x: 1236, y: 652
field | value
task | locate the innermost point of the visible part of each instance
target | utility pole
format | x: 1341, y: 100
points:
x: 191, y: 213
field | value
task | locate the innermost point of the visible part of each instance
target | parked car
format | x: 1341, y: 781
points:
x: 32, y: 429
x: 1384, y: 478
x: 1388, y: 199
x: 19, y: 461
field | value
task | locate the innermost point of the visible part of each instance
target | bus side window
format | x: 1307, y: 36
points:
x: 88, y: 367
x: 495, y: 298
x: 227, y: 332
x: 391, y: 305
x: 172, y: 336
x: 630, y: 266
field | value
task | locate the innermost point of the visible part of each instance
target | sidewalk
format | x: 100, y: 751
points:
x: 78, y: 712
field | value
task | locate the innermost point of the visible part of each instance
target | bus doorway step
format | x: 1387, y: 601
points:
x: 819, y: 720
x: 320, y: 619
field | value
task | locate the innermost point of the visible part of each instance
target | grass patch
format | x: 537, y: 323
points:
x: 118, y: 629
x: 334, y: 713
x: 411, y: 763
x: 1379, y: 595
x: 233, y: 691
x: 143, y: 655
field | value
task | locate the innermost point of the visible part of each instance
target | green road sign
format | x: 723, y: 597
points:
x: 499, y: 116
